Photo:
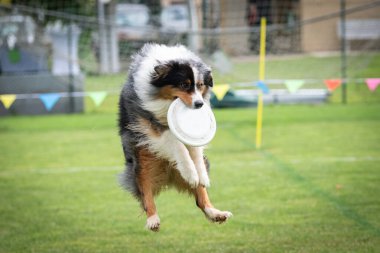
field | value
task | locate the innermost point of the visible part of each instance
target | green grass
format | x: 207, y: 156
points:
x: 312, y: 188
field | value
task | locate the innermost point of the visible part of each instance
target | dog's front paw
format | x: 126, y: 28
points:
x: 191, y: 176
x: 153, y: 223
x: 216, y: 215
x: 204, y: 180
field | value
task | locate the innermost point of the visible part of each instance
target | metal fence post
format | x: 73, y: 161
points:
x: 343, y: 50
x: 70, y: 62
x: 193, y: 36
x: 103, y: 48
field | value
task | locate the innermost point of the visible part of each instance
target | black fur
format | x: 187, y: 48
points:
x: 175, y: 74
x: 129, y: 109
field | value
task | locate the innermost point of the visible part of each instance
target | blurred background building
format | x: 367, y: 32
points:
x: 55, y: 45
x: 112, y: 30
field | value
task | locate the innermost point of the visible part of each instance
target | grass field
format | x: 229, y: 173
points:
x: 313, y: 187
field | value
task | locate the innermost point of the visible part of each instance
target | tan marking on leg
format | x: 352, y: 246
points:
x: 151, y: 178
x: 202, y: 198
x: 205, y: 205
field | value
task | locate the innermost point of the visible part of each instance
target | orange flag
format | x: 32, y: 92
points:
x: 332, y: 84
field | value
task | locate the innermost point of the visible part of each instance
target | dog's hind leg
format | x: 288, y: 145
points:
x: 150, y: 179
x: 153, y: 220
x: 147, y: 199
x: 204, y: 203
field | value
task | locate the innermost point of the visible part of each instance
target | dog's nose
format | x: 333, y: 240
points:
x: 198, y: 104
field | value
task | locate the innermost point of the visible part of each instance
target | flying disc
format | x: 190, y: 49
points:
x: 193, y: 127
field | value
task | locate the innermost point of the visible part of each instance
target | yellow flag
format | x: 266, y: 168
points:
x: 220, y: 90
x: 7, y: 100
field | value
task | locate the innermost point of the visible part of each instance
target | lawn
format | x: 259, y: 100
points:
x: 312, y: 188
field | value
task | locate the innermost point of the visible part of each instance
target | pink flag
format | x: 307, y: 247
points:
x: 372, y: 83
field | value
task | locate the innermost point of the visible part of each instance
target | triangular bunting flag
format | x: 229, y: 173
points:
x: 49, y: 100
x: 98, y: 97
x: 332, y: 84
x: 7, y: 100
x: 220, y: 90
x: 264, y: 88
x: 294, y: 85
x: 372, y: 83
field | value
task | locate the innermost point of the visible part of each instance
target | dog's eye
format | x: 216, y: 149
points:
x: 199, y: 85
x: 184, y: 85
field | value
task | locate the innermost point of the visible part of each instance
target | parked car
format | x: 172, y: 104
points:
x: 175, y: 23
x: 134, y: 27
x: 175, y: 18
x: 133, y: 23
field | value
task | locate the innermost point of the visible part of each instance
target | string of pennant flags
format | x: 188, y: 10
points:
x: 49, y: 100
x: 293, y: 86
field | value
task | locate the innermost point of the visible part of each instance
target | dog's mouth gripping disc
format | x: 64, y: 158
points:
x: 193, y: 127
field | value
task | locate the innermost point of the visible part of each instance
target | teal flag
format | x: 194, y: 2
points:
x: 264, y: 88
x: 294, y: 85
x: 97, y: 96
x: 49, y: 100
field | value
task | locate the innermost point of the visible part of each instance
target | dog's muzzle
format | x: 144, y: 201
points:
x: 198, y: 104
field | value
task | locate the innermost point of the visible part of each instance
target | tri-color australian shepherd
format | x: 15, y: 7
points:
x: 155, y: 158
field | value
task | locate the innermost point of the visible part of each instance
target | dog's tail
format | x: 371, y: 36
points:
x: 127, y: 180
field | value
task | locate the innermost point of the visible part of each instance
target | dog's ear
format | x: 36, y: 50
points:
x: 208, y: 79
x: 162, y: 70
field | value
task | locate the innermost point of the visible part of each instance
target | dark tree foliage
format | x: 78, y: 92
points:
x: 77, y: 7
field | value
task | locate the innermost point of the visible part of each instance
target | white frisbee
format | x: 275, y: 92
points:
x: 193, y: 127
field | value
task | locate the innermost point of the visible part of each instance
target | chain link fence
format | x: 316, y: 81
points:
x: 87, y: 46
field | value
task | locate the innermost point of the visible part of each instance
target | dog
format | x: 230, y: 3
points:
x: 154, y: 157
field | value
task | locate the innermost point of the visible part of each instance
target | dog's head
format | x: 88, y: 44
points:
x: 187, y: 80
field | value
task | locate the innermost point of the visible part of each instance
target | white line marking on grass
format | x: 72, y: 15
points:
x: 235, y: 163
x: 347, y: 159
x: 68, y: 170
x: 75, y: 169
